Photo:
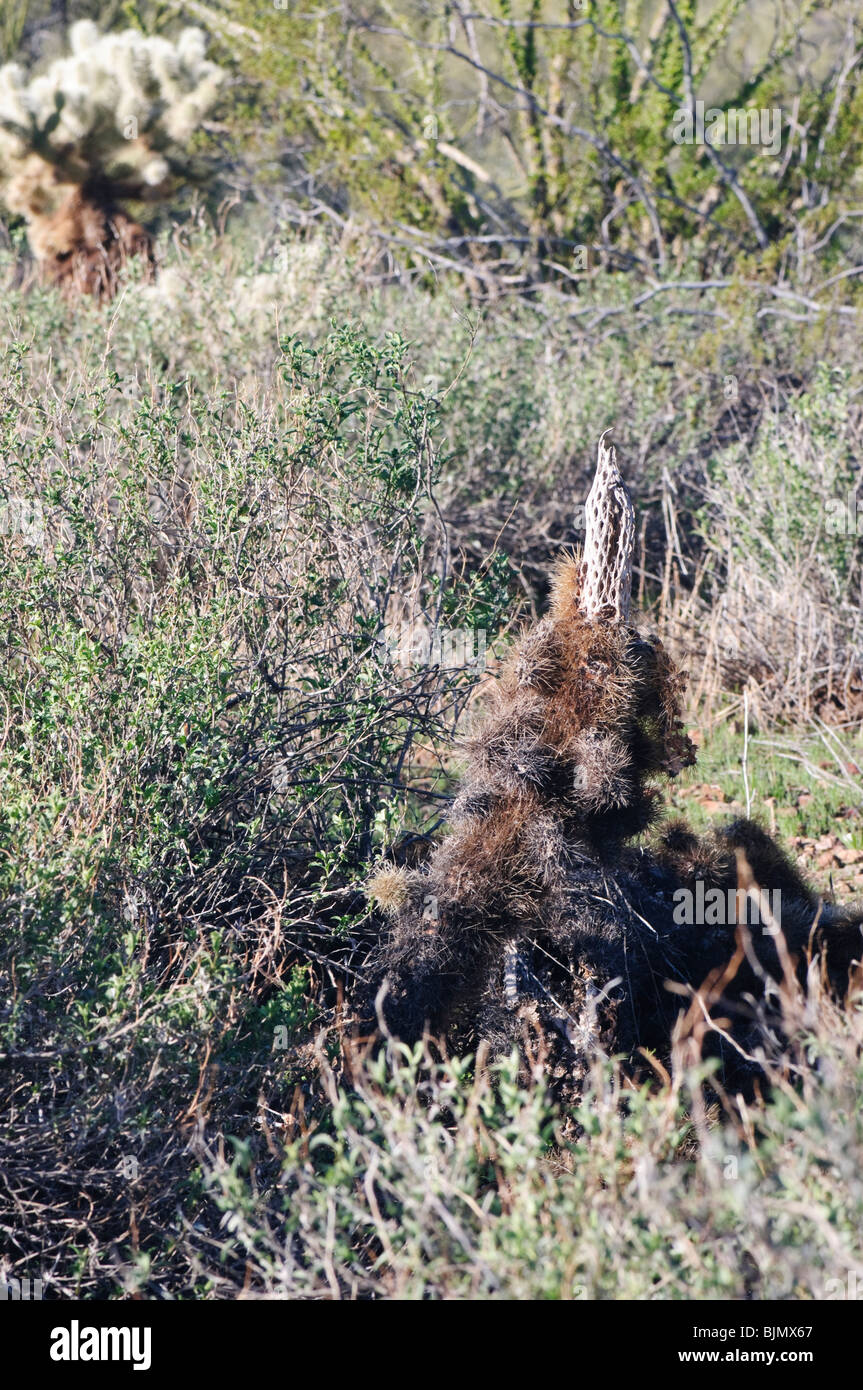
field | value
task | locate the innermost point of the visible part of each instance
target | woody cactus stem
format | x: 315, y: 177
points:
x: 609, y: 541
x: 83, y: 246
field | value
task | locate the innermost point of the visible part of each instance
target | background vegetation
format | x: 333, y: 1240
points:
x: 364, y: 389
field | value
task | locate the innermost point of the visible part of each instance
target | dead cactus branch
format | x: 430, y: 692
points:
x: 609, y: 540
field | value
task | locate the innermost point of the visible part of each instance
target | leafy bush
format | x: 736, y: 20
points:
x: 206, y: 739
x: 529, y: 140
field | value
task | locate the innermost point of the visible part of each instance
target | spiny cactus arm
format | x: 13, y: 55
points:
x: 609, y: 543
x: 20, y: 132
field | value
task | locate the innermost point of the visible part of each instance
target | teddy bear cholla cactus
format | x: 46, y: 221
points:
x: 535, y: 917
x: 106, y: 125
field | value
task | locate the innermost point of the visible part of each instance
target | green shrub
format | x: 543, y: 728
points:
x: 206, y: 741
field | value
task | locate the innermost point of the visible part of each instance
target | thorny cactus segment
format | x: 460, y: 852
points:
x: 536, y: 920
x: 108, y: 123
x: 609, y: 542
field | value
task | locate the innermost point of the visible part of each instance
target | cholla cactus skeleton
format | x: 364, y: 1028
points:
x: 609, y: 539
x: 106, y: 124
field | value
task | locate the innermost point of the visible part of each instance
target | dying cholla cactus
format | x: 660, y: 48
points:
x: 106, y: 125
x: 536, y: 918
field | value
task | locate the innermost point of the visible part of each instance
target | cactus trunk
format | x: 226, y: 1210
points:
x: 84, y: 244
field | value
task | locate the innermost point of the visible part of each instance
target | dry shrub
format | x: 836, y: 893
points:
x: 772, y: 601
